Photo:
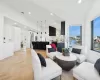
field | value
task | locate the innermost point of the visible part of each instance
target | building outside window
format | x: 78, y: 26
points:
x: 95, y: 34
x: 75, y: 35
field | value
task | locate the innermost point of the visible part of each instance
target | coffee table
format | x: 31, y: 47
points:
x: 66, y: 62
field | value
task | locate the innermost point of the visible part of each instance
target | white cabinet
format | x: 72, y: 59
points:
x: 6, y: 50
x: 17, y: 38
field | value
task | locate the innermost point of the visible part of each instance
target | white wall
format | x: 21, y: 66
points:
x: 1, y: 28
x: 8, y: 32
x: 17, y: 38
x: 11, y: 32
x: 11, y: 13
x: 25, y: 37
x: 94, y: 12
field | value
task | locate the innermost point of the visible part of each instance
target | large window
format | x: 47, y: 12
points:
x: 95, y: 34
x: 75, y: 35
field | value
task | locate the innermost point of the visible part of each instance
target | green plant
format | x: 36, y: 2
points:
x: 22, y: 44
x: 66, y: 52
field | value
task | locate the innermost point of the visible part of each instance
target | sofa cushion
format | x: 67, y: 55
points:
x: 36, y: 65
x: 77, y: 51
x: 51, y: 50
x: 80, y: 57
x: 97, y: 66
x: 60, y: 46
x: 86, y: 71
x: 83, y: 48
x: 42, y: 60
x: 93, y: 56
x: 51, y: 70
x: 53, y: 46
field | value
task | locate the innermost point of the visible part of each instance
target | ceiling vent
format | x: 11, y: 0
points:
x: 22, y: 12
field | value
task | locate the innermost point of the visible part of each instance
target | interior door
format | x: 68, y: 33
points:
x: 17, y: 38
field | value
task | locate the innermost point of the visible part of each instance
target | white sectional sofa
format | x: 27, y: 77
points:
x: 86, y: 70
x: 52, y: 70
x: 51, y: 55
x: 80, y: 57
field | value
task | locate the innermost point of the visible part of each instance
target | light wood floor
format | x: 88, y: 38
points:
x: 18, y: 67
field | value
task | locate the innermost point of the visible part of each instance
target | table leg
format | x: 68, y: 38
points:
x: 74, y: 78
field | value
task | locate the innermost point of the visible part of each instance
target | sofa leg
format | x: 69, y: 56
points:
x: 60, y: 77
x: 74, y: 78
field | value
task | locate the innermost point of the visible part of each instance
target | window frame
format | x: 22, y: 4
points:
x: 92, y: 35
x: 80, y: 32
x: 92, y: 32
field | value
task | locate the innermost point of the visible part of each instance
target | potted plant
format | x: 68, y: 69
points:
x: 66, y: 52
x: 22, y: 44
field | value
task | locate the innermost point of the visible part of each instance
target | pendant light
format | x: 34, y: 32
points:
x: 41, y: 27
x: 79, y: 1
x: 37, y: 27
x: 45, y: 27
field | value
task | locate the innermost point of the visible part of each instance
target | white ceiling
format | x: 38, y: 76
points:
x: 68, y: 10
x: 37, y: 13
x: 16, y: 24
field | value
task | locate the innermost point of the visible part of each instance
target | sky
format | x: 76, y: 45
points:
x: 97, y: 27
x: 74, y: 30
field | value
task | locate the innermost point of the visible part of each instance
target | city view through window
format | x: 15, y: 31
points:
x: 96, y: 34
x: 75, y: 35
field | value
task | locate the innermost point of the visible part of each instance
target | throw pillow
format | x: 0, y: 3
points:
x: 51, y: 50
x: 53, y: 46
x: 42, y: 60
x: 97, y: 66
x: 77, y: 51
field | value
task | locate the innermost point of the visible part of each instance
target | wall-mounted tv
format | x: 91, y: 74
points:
x: 63, y: 28
x: 52, y: 31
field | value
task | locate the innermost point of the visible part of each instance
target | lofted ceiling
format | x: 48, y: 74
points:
x: 68, y: 10
x: 14, y: 23
x: 37, y: 12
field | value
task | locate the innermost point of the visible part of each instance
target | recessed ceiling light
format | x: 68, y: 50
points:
x: 25, y: 27
x: 79, y: 1
x: 51, y: 14
x: 55, y: 23
x: 15, y: 23
x: 29, y: 12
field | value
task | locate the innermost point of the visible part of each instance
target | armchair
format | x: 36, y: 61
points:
x: 86, y: 70
x: 49, y: 72
x: 82, y: 56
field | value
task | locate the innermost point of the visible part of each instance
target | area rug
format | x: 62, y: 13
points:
x: 65, y: 76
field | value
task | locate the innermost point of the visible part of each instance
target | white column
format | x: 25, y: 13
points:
x: 66, y: 35
x: 17, y: 38
x: 1, y: 36
x: 1, y: 28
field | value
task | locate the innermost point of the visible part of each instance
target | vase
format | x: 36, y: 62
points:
x: 66, y: 52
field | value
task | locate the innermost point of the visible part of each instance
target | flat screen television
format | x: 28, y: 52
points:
x: 63, y: 28
x: 52, y: 31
